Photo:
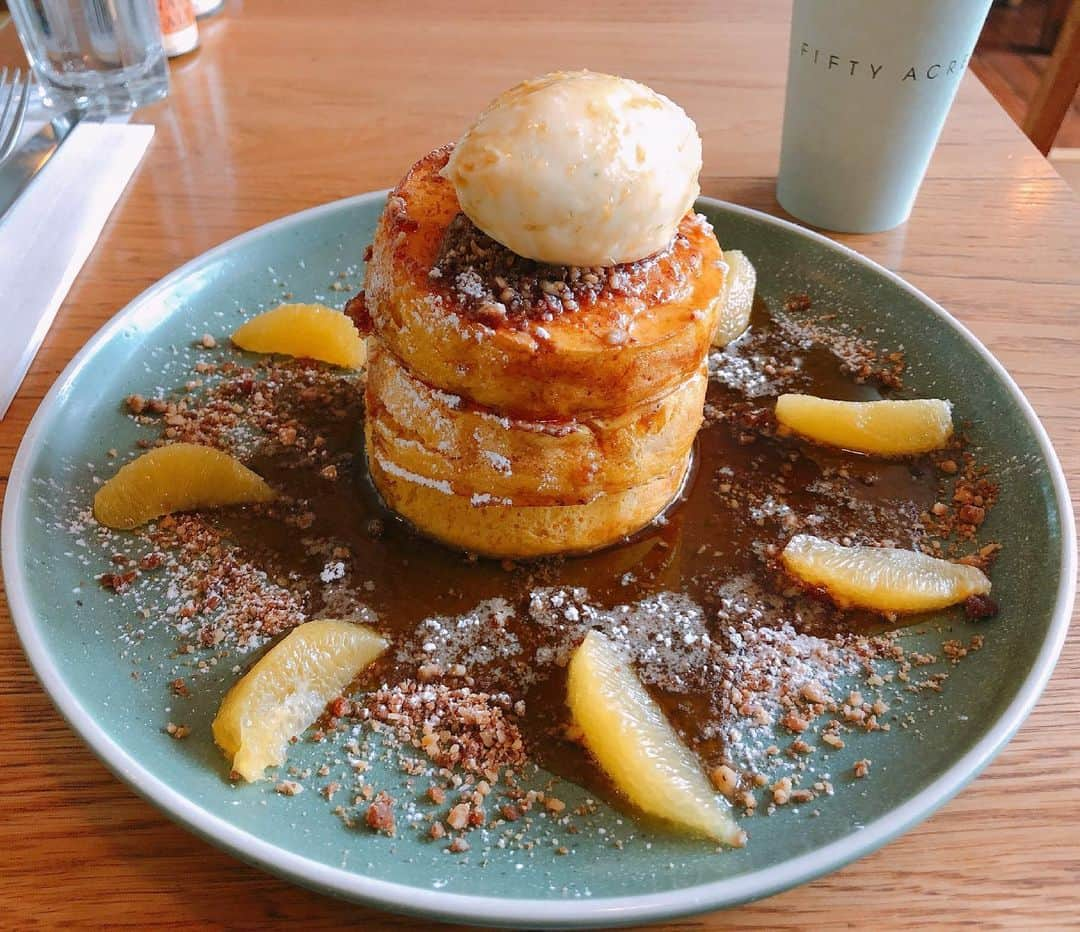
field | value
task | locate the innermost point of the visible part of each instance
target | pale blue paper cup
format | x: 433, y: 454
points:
x: 869, y: 85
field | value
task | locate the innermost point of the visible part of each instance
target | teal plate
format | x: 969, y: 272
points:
x: 73, y: 631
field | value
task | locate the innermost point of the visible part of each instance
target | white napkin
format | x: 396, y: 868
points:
x: 47, y: 235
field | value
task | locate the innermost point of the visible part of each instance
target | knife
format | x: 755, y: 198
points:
x: 26, y: 161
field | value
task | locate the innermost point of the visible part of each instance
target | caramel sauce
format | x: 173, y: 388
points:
x: 701, y: 542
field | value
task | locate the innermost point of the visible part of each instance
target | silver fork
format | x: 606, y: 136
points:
x: 13, y: 100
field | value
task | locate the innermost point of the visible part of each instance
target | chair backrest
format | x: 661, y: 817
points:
x: 1058, y: 85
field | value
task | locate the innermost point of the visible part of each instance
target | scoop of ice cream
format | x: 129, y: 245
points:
x: 578, y: 168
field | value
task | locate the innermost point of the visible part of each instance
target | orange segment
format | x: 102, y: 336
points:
x: 882, y: 579
x: 178, y: 477
x: 288, y: 688
x: 736, y: 298
x: 884, y: 428
x: 311, y: 330
x: 635, y: 745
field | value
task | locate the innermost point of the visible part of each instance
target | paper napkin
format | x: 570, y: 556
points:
x: 48, y: 233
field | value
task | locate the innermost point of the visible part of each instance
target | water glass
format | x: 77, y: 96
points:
x: 101, y: 55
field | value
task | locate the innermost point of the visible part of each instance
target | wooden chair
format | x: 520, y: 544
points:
x: 1058, y: 85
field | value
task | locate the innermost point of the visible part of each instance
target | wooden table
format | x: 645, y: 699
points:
x: 289, y: 104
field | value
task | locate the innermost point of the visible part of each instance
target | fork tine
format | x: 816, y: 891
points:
x: 7, y: 95
x: 12, y: 132
x: 20, y: 114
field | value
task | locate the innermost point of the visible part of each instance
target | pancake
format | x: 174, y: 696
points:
x: 483, y: 525
x: 442, y: 437
x: 533, y: 341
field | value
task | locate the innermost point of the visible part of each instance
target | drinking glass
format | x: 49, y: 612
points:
x: 101, y: 55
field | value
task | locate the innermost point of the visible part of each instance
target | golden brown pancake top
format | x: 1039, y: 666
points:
x: 481, y: 279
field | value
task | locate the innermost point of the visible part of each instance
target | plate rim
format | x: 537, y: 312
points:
x: 493, y: 910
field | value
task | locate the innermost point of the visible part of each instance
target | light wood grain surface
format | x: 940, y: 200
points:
x: 291, y: 104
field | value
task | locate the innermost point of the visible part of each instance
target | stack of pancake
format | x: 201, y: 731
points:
x: 519, y: 409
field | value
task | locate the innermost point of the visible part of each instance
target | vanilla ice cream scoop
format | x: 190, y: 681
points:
x: 578, y: 168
